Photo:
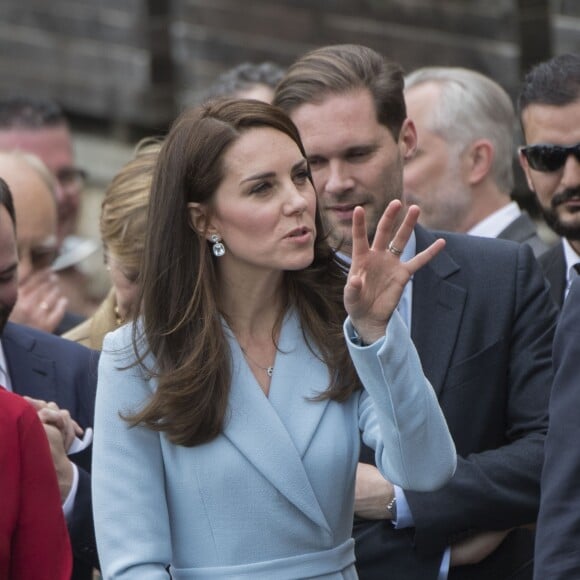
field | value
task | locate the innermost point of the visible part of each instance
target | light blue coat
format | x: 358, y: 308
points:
x: 272, y: 497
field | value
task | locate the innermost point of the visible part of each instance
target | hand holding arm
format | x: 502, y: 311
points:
x: 50, y: 414
x: 475, y: 549
x: 377, y: 277
x: 61, y: 430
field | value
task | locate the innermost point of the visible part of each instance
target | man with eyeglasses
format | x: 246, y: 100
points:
x: 549, y: 107
x: 39, y: 126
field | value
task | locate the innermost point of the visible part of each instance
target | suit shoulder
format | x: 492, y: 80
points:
x: 466, y: 248
x: 556, y: 252
x: 470, y: 242
x: 44, y: 342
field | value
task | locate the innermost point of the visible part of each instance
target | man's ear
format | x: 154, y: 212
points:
x: 481, y: 155
x: 408, y: 139
x: 198, y: 218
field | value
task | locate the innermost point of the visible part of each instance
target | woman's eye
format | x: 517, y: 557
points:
x: 302, y: 176
x: 261, y: 187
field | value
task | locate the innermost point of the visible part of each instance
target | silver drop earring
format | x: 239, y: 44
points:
x: 218, y: 248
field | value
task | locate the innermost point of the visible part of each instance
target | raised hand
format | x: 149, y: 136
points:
x: 377, y: 276
x: 40, y: 303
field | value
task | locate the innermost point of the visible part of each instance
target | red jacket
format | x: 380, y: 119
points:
x: 34, y: 543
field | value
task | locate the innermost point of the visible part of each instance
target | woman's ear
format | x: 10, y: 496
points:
x: 198, y: 217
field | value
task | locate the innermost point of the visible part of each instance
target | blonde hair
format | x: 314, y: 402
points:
x: 125, y: 205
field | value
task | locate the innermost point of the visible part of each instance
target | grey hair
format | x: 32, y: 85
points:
x: 472, y: 106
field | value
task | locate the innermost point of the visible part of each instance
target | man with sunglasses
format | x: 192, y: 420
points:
x: 41, y: 303
x: 549, y: 107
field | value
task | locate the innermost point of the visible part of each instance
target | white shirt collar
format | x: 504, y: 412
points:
x: 497, y: 222
x: 4, y: 376
x: 571, y: 258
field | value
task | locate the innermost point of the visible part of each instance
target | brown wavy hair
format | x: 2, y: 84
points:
x: 180, y: 314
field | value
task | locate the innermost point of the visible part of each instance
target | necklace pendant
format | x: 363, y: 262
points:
x: 270, y: 371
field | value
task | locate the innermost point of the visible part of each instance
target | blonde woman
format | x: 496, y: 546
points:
x: 122, y: 225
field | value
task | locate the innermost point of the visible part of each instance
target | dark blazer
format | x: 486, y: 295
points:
x: 483, y: 323
x: 553, y: 264
x: 524, y: 231
x: 69, y: 321
x: 48, y: 367
x: 558, y: 532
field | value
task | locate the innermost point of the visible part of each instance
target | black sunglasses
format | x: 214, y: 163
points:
x: 548, y: 158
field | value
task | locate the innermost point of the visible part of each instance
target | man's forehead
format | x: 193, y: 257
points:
x: 552, y: 124
x: 339, y: 123
x: 53, y: 145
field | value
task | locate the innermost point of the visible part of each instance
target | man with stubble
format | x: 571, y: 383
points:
x: 480, y: 315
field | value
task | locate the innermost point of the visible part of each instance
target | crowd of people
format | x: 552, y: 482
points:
x: 334, y: 346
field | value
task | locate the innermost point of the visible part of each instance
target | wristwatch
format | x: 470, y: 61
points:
x: 392, y: 508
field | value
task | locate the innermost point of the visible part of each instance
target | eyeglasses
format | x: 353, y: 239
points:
x: 40, y: 257
x: 71, y: 176
x: 548, y: 158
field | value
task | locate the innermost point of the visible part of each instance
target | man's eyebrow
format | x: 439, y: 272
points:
x: 367, y: 147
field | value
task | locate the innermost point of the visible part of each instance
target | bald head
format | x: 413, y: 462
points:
x: 36, y: 211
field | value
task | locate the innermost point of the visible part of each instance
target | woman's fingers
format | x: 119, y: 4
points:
x: 425, y: 256
x: 360, y: 242
x: 385, y: 226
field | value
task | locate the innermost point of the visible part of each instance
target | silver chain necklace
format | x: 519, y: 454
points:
x: 269, y: 370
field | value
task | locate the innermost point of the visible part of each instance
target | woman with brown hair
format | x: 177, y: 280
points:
x: 228, y: 416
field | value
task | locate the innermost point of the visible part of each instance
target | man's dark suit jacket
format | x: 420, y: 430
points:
x: 524, y: 231
x: 51, y: 368
x: 483, y: 323
x: 558, y: 532
x: 553, y: 263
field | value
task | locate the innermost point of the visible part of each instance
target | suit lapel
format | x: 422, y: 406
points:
x: 520, y: 230
x: 553, y: 263
x: 438, y: 306
x: 274, y: 433
x: 30, y: 374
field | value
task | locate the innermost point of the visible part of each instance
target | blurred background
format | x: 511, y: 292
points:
x: 123, y: 69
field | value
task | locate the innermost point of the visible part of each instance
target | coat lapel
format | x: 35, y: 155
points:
x: 30, y: 374
x: 274, y: 433
x: 438, y: 306
x: 553, y: 264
